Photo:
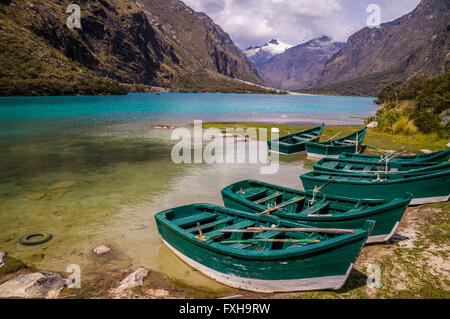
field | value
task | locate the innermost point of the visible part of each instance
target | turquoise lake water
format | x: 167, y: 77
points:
x: 181, y: 105
x: 94, y: 170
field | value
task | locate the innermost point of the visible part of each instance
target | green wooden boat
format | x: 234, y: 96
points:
x: 294, y: 143
x: 351, y: 144
x: 430, y: 187
x: 317, y: 209
x: 441, y: 156
x: 260, y: 253
x: 338, y: 165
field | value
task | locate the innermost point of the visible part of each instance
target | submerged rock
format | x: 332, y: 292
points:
x: 61, y: 185
x: 102, y: 249
x: 37, y: 196
x: 2, y: 259
x: 131, y: 281
x: 41, y: 284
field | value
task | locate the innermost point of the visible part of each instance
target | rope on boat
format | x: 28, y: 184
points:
x: 316, y: 190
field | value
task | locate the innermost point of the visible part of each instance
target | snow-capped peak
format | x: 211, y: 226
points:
x: 269, y: 49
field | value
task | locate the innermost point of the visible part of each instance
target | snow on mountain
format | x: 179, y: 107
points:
x: 260, y: 54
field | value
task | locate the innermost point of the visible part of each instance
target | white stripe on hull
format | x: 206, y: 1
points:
x: 425, y: 200
x: 271, y: 151
x: 382, y: 238
x: 321, y: 155
x: 266, y: 286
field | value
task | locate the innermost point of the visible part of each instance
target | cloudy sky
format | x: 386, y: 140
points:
x: 254, y: 22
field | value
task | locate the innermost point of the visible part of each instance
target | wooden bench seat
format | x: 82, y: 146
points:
x: 218, y: 233
x: 330, y: 165
x: 262, y: 200
x: 185, y: 221
x: 315, y: 208
x: 210, y: 225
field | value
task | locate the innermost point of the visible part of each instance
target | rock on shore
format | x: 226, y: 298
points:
x: 41, y: 284
x: 131, y: 281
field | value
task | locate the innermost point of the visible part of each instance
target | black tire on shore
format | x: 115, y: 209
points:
x: 33, y: 239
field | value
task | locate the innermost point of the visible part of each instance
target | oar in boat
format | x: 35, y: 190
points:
x: 248, y: 241
x: 378, y: 150
x: 391, y: 155
x: 275, y: 207
x: 334, y: 136
x: 306, y: 230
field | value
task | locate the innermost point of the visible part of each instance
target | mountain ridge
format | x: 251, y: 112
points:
x: 145, y: 42
x: 260, y: 54
x: 417, y: 41
x: 298, y: 66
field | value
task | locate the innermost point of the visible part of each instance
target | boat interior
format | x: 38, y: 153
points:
x: 394, y: 167
x: 304, y: 204
x: 211, y: 224
x: 300, y: 138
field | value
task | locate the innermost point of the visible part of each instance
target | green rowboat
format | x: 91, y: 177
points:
x: 260, y: 253
x: 351, y: 144
x: 317, y: 209
x: 442, y: 156
x: 294, y: 143
x: 433, y: 186
x: 338, y: 165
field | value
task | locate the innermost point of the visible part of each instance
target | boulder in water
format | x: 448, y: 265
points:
x: 102, y: 249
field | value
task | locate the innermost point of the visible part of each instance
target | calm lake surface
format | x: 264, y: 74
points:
x: 94, y: 170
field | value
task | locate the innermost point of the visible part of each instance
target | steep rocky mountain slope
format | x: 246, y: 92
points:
x: 299, y: 66
x: 149, y: 42
x: 260, y: 54
x: 417, y: 43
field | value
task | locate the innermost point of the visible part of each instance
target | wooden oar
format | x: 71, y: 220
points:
x: 391, y: 154
x: 305, y: 241
x: 308, y: 230
x: 271, y: 209
x: 334, y: 136
x: 377, y: 149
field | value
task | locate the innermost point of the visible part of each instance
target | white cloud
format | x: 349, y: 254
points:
x: 253, y: 22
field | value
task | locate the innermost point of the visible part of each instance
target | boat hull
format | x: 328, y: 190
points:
x: 387, y: 216
x: 429, y: 188
x: 262, y: 285
x: 323, y: 265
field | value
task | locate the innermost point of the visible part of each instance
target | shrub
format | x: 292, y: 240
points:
x: 387, y: 118
x: 427, y: 121
x: 404, y: 126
